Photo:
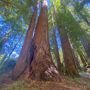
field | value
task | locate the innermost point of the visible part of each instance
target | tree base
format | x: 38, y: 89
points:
x: 44, y: 72
x: 72, y: 73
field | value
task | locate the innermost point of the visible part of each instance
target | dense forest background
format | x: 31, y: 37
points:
x: 47, y: 38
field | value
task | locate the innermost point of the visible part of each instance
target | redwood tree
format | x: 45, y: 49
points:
x: 23, y: 60
x: 69, y: 57
x: 41, y: 65
x: 59, y: 64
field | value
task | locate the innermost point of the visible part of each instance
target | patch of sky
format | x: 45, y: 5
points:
x: 14, y: 54
x: 1, y: 19
x: 88, y: 5
x: 58, y: 39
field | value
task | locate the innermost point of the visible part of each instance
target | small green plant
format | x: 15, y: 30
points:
x: 9, y: 88
x: 19, y: 85
x: 77, y: 79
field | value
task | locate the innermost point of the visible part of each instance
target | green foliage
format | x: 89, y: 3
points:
x: 73, y: 17
x: 17, y: 12
x: 18, y: 85
x: 1, y: 56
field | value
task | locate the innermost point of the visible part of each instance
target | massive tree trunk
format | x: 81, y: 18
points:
x: 41, y: 65
x: 22, y: 64
x: 59, y: 64
x: 69, y: 57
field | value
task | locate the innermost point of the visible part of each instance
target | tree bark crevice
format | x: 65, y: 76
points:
x: 42, y: 67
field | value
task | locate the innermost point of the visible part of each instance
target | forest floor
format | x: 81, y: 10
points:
x: 67, y: 83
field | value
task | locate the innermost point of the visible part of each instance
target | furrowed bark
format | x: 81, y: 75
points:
x: 42, y: 67
x: 22, y: 65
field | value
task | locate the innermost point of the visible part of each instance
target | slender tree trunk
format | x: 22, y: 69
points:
x: 78, y: 65
x: 12, y: 50
x: 3, y: 59
x: 77, y: 62
x: 6, y: 36
x: 16, y: 45
x: 85, y: 40
x: 41, y: 65
x: 22, y: 65
x: 83, y: 59
x: 2, y: 42
x: 59, y: 64
x: 85, y: 19
x: 86, y: 44
x: 68, y: 53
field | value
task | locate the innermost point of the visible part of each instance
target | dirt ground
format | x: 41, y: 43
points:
x: 82, y: 83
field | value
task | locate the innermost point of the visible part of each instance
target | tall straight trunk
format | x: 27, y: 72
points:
x: 59, y: 64
x: 77, y: 62
x: 16, y: 45
x: 69, y: 57
x: 7, y: 51
x: 85, y: 40
x: 41, y: 65
x: 2, y: 42
x: 78, y: 65
x: 83, y: 59
x: 86, y: 44
x: 6, y: 36
x: 22, y: 65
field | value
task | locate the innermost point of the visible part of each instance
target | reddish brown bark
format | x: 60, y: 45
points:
x: 69, y: 57
x: 59, y: 64
x: 22, y: 64
x: 68, y: 54
x: 42, y: 67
